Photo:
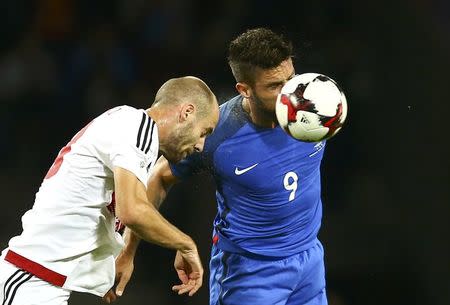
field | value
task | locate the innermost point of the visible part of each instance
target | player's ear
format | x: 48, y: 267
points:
x: 243, y: 89
x: 187, y: 110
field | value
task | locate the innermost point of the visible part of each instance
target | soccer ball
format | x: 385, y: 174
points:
x: 311, y: 107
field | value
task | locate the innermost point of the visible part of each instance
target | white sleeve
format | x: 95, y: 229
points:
x: 134, y: 142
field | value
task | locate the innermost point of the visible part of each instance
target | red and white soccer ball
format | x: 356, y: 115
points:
x: 311, y: 107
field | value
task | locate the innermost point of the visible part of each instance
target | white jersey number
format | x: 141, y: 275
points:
x: 290, y: 184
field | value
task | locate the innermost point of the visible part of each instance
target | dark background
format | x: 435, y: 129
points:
x: 385, y: 176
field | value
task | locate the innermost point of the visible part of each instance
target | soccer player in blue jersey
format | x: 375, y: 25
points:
x: 265, y: 248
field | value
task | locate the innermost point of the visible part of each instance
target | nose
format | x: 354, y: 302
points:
x: 200, y: 144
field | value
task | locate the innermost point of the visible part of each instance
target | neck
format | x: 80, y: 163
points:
x: 258, y: 117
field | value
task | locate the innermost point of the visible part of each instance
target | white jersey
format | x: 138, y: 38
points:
x: 70, y: 232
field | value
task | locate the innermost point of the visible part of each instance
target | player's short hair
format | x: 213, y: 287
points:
x: 187, y: 88
x: 257, y: 48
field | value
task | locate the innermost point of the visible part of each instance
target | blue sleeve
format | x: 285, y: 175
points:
x: 189, y: 166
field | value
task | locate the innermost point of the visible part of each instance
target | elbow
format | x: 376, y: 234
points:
x: 135, y: 213
x: 127, y: 220
x: 128, y: 216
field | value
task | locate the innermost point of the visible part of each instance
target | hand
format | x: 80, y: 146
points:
x: 110, y: 296
x: 124, y: 270
x: 190, y: 272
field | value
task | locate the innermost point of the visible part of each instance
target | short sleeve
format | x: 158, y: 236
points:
x: 131, y: 159
x: 134, y: 144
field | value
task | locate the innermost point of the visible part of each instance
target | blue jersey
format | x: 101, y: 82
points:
x: 268, y: 185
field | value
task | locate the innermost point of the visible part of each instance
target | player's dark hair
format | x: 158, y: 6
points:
x: 257, y: 48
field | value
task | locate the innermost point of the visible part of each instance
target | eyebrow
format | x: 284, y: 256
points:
x: 280, y: 82
x: 274, y: 84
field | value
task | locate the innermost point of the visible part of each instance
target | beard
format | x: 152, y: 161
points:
x: 265, y: 109
x: 177, y: 148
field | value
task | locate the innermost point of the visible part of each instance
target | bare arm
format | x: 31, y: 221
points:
x: 160, y: 182
x: 124, y: 266
x: 158, y: 187
x: 146, y: 222
x: 131, y: 243
x: 134, y: 209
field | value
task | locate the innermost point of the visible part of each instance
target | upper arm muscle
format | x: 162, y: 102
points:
x: 129, y: 190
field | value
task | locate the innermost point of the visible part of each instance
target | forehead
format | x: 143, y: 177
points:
x: 280, y: 73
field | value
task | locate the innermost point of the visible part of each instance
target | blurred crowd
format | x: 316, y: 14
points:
x: 63, y: 62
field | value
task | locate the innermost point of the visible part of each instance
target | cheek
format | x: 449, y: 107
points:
x: 268, y: 99
x: 178, y: 141
x: 186, y: 138
x: 269, y: 95
x: 193, y: 138
x: 273, y: 94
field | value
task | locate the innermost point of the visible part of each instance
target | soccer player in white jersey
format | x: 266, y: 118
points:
x: 69, y: 240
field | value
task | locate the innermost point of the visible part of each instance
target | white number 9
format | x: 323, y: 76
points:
x: 290, y: 184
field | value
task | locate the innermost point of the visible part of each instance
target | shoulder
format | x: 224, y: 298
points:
x: 232, y: 118
x: 232, y: 115
x: 125, y: 123
x: 232, y: 108
x: 124, y: 112
x: 123, y: 118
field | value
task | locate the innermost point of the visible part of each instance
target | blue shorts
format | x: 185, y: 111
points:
x: 237, y: 279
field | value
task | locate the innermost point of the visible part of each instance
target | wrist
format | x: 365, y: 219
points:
x: 188, y: 245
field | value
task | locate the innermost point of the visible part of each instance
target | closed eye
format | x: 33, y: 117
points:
x: 207, y: 132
